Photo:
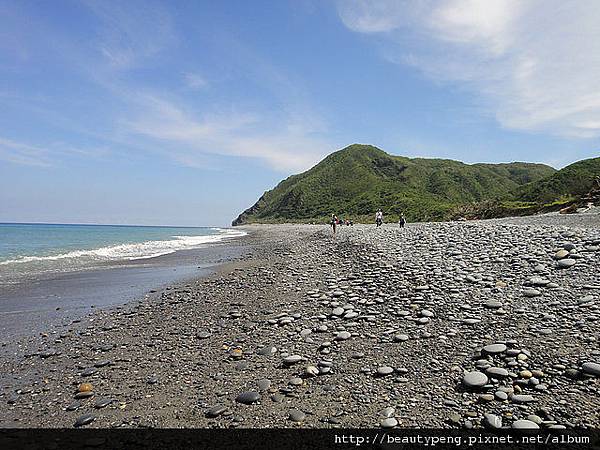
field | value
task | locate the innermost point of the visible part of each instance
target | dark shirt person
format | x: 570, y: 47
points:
x: 334, y: 222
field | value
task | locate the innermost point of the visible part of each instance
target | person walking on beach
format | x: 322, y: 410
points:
x: 402, y: 221
x: 334, y: 221
x: 378, y: 218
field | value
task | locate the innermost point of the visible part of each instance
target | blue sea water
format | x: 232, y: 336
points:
x: 34, y: 248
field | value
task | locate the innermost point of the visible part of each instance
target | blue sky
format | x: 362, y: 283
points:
x: 184, y: 113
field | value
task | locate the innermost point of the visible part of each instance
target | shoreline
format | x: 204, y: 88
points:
x: 54, y: 299
x: 314, y: 331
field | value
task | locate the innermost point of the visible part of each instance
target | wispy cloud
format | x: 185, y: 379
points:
x: 288, y: 137
x: 195, y: 81
x: 193, y: 135
x: 49, y: 155
x: 21, y: 153
x: 280, y: 127
x: 133, y: 32
x: 535, y: 64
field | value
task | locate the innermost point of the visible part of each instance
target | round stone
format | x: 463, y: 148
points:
x: 248, y: 397
x: 565, y: 263
x: 521, y: 398
x: 591, y: 368
x: 401, y: 338
x: 470, y: 321
x: 296, y: 381
x: 387, y: 412
x: 269, y: 350
x: 102, y: 403
x: 384, y: 370
x: 494, y: 349
x: 277, y: 398
x: 535, y: 419
x: 525, y: 425
x: 492, y: 420
x: 342, y: 336
x: 525, y: 374
x: 297, y: 415
x: 538, y: 281
x: 474, y: 379
x: 531, y: 292
x: 85, y: 387
x: 493, y: 304
x: 562, y: 253
x: 292, y: 359
x: 263, y: 384
x: 501, y: 395
x: 338, y: 311
x: 574, y: 374
x: 486, y: 397
x: 103, y: 363
x: 86, y: 419
x: 496, y: 372
x: 305, y: 332
x: 215, y: 411
x: 73, y: 406
x: 390, y: 422
x: 236, y: 353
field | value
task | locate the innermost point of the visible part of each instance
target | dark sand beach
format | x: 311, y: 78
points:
x: 54, y: 299
x: 440, y: 325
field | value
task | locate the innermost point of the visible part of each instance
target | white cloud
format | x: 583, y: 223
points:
x: 535, y: 64
x: 280, y: 127
x: 46, y: 155
x: 131, y: 33
x: 25, y: 154
x: 195, y: 81
x: 191, y: 136
x: 367, y: 16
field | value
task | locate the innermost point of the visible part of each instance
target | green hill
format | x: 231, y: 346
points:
x: 357, y: 180
x: 572, y: 181
x: 568, y: 189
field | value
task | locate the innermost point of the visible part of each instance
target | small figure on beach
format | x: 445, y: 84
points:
x: 402, y: 221
x: 334, y: 222
x: 379, y: 218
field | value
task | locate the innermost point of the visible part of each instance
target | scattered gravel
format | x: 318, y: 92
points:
x: 468, y: 324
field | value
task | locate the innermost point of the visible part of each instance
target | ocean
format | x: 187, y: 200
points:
x: 27, y: 250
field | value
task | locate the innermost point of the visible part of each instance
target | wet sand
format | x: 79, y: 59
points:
x: 54, y: 300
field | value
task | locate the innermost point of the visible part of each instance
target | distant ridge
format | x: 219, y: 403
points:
x: 357, y: 180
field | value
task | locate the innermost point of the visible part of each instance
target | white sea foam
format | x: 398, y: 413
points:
x: 141, y: 250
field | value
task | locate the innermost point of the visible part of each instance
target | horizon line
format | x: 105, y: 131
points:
x: 110, y: 225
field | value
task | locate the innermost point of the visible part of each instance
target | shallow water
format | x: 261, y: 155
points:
x: 28, y: 250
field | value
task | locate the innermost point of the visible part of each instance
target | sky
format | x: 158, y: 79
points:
x: 184, y: 113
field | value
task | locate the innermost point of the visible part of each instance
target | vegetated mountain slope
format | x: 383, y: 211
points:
x: 357, y: 180
x: 571, y: 181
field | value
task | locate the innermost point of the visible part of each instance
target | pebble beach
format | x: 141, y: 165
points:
x: 438, y: 325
